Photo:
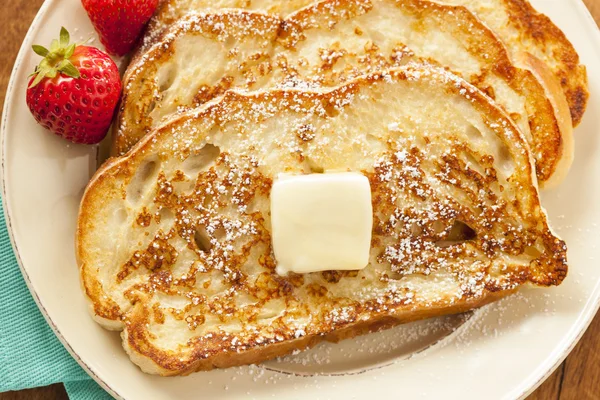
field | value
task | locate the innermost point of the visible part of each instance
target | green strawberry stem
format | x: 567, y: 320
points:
x: 56, y: 60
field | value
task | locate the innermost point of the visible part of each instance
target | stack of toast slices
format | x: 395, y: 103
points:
x: 457, y: 112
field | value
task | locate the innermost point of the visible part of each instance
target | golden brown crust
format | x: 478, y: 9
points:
x: 141, y: 93
x: 545, y: 35
x: 560, y: 106
x: 169, y: 11
x: 546, y: 124
x: 104, y: 307
x: 171, y: 364
x: 492, y: 220
x: 538, y: 30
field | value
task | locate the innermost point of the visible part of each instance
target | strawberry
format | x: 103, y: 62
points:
x: 74, y: 90
x: 119, y: 22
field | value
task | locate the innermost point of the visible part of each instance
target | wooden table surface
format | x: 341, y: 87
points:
x: 578, y: 378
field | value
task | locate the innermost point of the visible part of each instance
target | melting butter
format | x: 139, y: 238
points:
x: 321, y: 222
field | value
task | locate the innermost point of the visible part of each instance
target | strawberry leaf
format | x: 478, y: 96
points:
x: 65, y: 38
x: 40, y: 50
x: 37, y: 80
x: 67, y: 68
x: 70, y: 50
x: 56, y: 60
x: 54, y: 45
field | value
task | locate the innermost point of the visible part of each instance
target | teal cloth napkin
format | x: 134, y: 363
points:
x: 30, y: 354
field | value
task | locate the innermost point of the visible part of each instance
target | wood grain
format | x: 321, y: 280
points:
x: 578, y: 378
x: 581, y: 379
x: 14, y: 20
x: 550, y: 390
x: 54, y: 392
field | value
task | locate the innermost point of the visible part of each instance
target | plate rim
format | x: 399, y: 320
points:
x: 578, y: 329
x: 10, y: 89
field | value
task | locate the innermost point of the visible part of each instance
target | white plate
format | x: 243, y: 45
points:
x: 502, y: 351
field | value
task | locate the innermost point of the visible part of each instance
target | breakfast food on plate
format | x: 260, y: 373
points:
x: 326, y: 44
x: 526, y: 33
x: 74, y: 91
x: 180, y: 242
x: 119, y: 23
x: 295, y: 171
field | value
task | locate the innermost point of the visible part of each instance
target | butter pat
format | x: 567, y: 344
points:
x: 321, y: 222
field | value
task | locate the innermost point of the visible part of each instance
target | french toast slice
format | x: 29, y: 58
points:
x: 170, y: 11
x: 516, y: 22
x: 527, y: 33
x: 326, y: 44
x: 174, y: 240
